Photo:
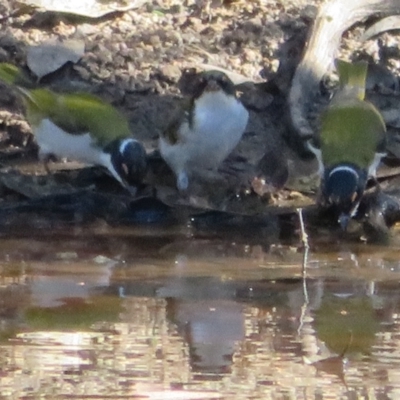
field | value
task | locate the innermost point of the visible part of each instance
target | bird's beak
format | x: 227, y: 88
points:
x: 212, y: 86
x: 344, y: 221
x: 131, y: 189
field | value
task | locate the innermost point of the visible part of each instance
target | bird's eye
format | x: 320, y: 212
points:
x: 190, y: 71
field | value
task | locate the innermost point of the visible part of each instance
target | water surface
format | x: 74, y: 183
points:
x: 155, y: 313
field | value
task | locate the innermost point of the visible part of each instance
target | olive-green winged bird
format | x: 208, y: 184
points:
x: 81, y: 127
x: 351, y: 143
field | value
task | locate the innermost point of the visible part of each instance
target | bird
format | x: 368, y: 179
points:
x: 351, y: 143
x: 206, y: 128
x: 79, y: 126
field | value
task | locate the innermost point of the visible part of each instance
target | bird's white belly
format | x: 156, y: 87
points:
x: 219, y: 123
x: 53, y: 140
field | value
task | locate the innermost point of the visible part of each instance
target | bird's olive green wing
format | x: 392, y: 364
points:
x: 182, y: 113
x: 77, y: 114
x: 351, y: 131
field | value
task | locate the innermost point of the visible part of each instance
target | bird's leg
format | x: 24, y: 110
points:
x: 132, y: 190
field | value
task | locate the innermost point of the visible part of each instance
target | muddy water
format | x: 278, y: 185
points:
x: 159, y: 314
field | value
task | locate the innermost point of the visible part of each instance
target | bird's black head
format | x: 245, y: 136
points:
x: 342, y: 189
x: 129, y: 159
x: 212, y: 81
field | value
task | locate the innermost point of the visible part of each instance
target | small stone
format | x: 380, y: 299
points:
x: 309, y: 12
x: 155, y: 40
x: 170, y: 71
x: 84, y: 30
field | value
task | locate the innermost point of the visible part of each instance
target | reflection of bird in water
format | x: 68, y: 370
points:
x: 211, y: 328
x: 346, y: 324
x: 209, y: 319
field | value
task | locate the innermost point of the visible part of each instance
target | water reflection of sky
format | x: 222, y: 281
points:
x: 196, y: 319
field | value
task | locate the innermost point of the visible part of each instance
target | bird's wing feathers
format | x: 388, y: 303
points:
x: 12, y: 75
x: 77, y: 114
x: 183, y: 114
x: 346, y: 128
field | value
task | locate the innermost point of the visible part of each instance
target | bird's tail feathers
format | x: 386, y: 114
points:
x: 12, y: 75
x: 27, y: 94
x: 352, y: 76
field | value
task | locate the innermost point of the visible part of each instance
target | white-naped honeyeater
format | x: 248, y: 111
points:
x: 80, y: 127
x: 351, y: 143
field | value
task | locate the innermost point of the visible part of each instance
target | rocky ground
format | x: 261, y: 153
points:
x: 134, y: 60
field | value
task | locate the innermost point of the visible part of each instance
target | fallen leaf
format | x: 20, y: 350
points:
x: 52, y: 55
x: 86, y: 8
x: 386, y: 24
